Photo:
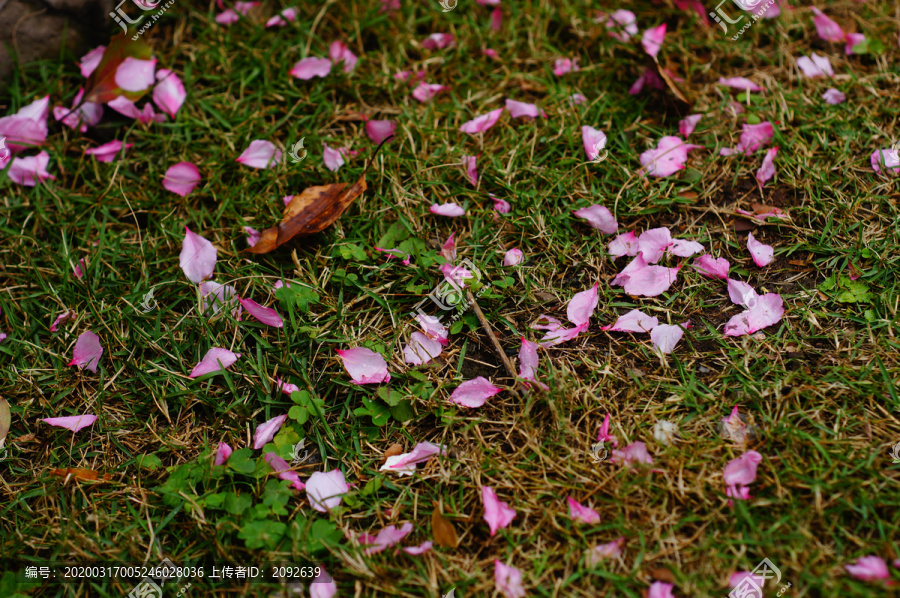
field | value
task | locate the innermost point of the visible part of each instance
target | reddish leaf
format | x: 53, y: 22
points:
x: 80, y: 474
x: 101, y: 86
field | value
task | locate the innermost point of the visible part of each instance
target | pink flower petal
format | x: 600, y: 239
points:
x: 581, y: 307
x: 652, y: 39
x: 323, y: 586
x: 687, y: 125
x: 438, y: 41
x: 621, y: 24
x: 508, y: 581
x: 668, y: 158
x: 421, y: 349
x: 215, y: 360
x: 198, y: 257
x: 638, y: 263
x: 742, y: 293
x: 660, y: 589
x: 605, y: 551
x: 266, y: 315
x: 169, y: 93
x: 853, y: 40
x: 425, y: 92
x: 604, y: 436
x: 123, y: 105
x: 216, y: 296
x: 833, y: 96
x: 386, y: 538
x: 364, y: 366
x: 448, y: 209
x: 762, y: 254
x: 474, y: 393
x: 108, y: 151
x: 26, y: 128
x: 260, y: 154
x: 650, y: 281
x: 594, y: 142
x: 633, y: 321
x: 712, y: 267
x: 222, y: 453
x: 869, y: 568
x: 482, y: 123
x: 887, y: 158
x: 325, y: 490
x: 576, y: 99
x: 817, y: 66
x: 664, y: 337
x: 740, y: 83
x: 753, y: 137
x: 405, y: 464
x: 91, y: 60
x: 282, y: 19
x: 420, y: 549
x: 286, y: 387
x: 497, y: 513
x: 501, y: 205
x: 227, y: 17
x: 522, y: 110
x: 825, y: 27
x: 580, y: 513
x: 62, y: 319
x: 513, y: 257
x: 767, y: 311
x: 181, y: 178
x: 433, y: 328
x: 636, y: 452
x: 265, y: 432
x: 28, y: 171
x: 470, y: 164
x: 339, y: 52
x: 599, y: 217
x: 767, y: 169
x: 653, y: 243
x: 528, y: 362
x: 135, y: 75
x: 311, y: 67
x: 742, y: 471
x: 684, y: 248
x: 72, y: 422
x: 252, y: 235
x: 379, y: 130
x: 82, y: 115
x: 624, y: 244
x: 87, y: 351
x: 496, y: 20
x: 562, y: 66
x: 283, y: 470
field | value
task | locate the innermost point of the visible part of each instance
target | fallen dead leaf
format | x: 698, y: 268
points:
x: 80, y: 474
x: 676, y: 91
x: 662, y: 574
x: 393, y: 450
x: 24, y: 438
x: 443, y: 531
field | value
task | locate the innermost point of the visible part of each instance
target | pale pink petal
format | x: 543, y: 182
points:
x: 594, y: 142
x: 91, y: 60
x: 624, y: 244
x: 252, y: 235
x: 528, y: 361
x: 123, y: 105
x: 684, y: 248
x: 769, y: 310
x: 687, y: 125
x: 482, y: 123
x: 652, y: 39
x: 266, y: 315
x: 853, y: 40
x: 561, y: 66
x: 421, y: 349
x: 753, y: 137
x: 599, y: 217
x: 433, y: 328
x: 72, y: 422
x: 282, y: 19
x: 265, y: 432
x: 653, y: 243
x: 513, y: 257
x: 605, y: 551
x: 636, y: 452
x: 474, y: 393
x: 286, y: 387
x: 767, y: 169
x: 501, y: 205
x: 323, y: 586
x: 281, y: 467
x: 340, y: 52
x: 562, y: 335
x: 87, y: 351
x: 737, y: 493
x: 887, y: 158
x: 28, y: 171
x: 325, y: 490
x: 82, y: 115
x: 508, y: 581
x: 712, y: 267
x: 405, y: 463
x: 169, y: 93
x: 448, y: 249
x: 420, y: 549
x: 227, y: 17
x: 311, y: 67
x: 581, y: 307
x: 222, y: 453
x: 580, y: 513
x: 215, y: 360
x: 635, y: 265
x: 735, y: 428
x: 388, y: 6
x: 833, y: 96
x: 660, y: 589
x: 135, y: 75
x: 650, y: 281
x: 825, y: 27
x: 603, y: 435
x: 386, y: 538
x: 633, y: 321
x: 742, y: 293
x: 448, y: 209
x: 62, y: 319
x: 668, y: 158
x: 108, y: 151
x: 621, y: 24
x: 576, y: 99
x: 664, y: 337
x: 79, y: 268
x: 869, y: 568
x: 522, y: 109
x: 364, y: 366
x: 332, y: 158
x: 497, y: 513
x: 491, y: 53
x: 27, y: 127
x: 379, y: 130
x: 496, y: 20
x: 742, y: 470
x: 818, y: 66
x: 260, y: 154
x: 395, y: 253
x: 181, y: 178
x: 762, y: 254
x: 214, y: 295
x: 198, y: 257
x: 425, y: 92
x: 470, y: 164
x: 438, y: 41
x: 740, y: 83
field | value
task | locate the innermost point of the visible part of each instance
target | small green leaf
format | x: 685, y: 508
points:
x: 236, y: 504
x: 372, y: 486
x: 151, y: 462
x: 456, y: 327
x: 404, y: 411
x: 298, y: 414
x: 753, y: 119
x: 262, y: 534
x: 855, y: 292
x: 297, y: 296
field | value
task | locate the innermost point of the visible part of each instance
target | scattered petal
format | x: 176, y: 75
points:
x: 283, y: 470
x: 425, y: 92
x: 497, y: 513
x: 669, y: 157
x: 740, y: 83
x: 818, y: 66
x: 169, y: 93
x: 438, y: 41
x: 260, y: 154
x: 633, y: 321
x: 767, y: 169
x: 622, y: 24
x: 652, y: 39
x: 421, y: 349
x: 687, y: 125
x: 762, y: 254
x: 72, y: 422
x: 580, y: 513
x: 659, y: 589
x: 594, y: 142
x: 405, y: 464
x: 624, y: 244
x: 108, y: 151
x: 181, y: 178
x: 522, y: 110
x: 869, y: 568
x: 28, y: 171
x: 508, y: 580
x: 91, y: 60
x: 364, y: 366
x: 62, y: 319
x: 825, y: 27
x: 470, y: 164
x: 311, y: 67
x: 742, y: 470
x: 513, y: 257
x: 420, y: 549
x: 385, y: 539
x: 482, y: 123
x: 448, y: 209
x: 87, y: 351
x: 581, y: 307
x: 664, y: 337
x: 636, y: 452
x: 379, y: 130
x: 325, y: 490
x: 605, y: 551
x: 222, y: 453
x: 266, y: 315
x: 561, y: 66
x: 833, y: 96
x: 650, y: 281
x: 198, y: 257
x: 215, y: 360
x: 135, y: 75
x: 599, y: 217
x: 474, y: 393
x: 265, y: 432
x: 712, y: 267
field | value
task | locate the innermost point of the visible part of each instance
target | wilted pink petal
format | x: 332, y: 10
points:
x: 833, y: 96
x: 62, y: 319
x: 624, y: 244
x: 80, y: 267
x: 323, y: 586
x: 456, y: 275
x: 215, y: 360
x: 740, y: 83
x: 603, y: 435
x: 687, y: 125
x: 660, y: 589
x: 767, y: 169
x: 405, y: 464
x: 135, y: 75
x: 448, y: 249
x: 653, y: 243
x: 123, y: 105
x: 633, y: 321
x: 395, y: 253
x: 311, y: 67
x: 869, y: 568
x: 28, y: 171
x: 777, y: 213
x: 227, y: 17
x: 87, y: 351
x: 266, y: 315
x: 80, y: 117
x: 470, y: 164
x: 825, y: 27
x: 664, y: 337
x: 265, y: 432
x: 753, y: 137
x: 260, y: 154
x: 438, y: 41
x: 364, y: 366
x: 513, y: 257
x: 599, y: 217
x: 389, y: 6
x: 635, y: 265
x: 742, y: 293
x: 594, y: 142
x: 91, y: 60
x: 169, y: 93
x: 72, y: 422
x: 222, y: 453
x: 636, y: 452
x: 761, y: 253
x: 561, y: 335
x: 580, y: 513
x: 737, y: 493
x: 669, y: 157
x: 818, y: 66
x: 561, y: 66
x: 649, y: 78
x: 685, y: 248
x: 528, y: 362
x: 27, y: 127
x: 742, y: 471
x: 652, y: 39
x: 385, y: 539
x: 420, y: 549
x: 734, y: 427
x: 522, y: 110
x: 198, y: 256
x: 508, y: 581
x: 433, y: 329
x: 281, y: 467
x: 340, y: 52
x: 448, y: 209
x: 474, y: 393
x: 581, y: 307
x: 286, y: 387
x: 577, y: 98
x: 712, y: 267
x: 501, y: 205
x: 108, y: 151
x: 767, y: 311
x: 379, y: 130
x: 482, y: 123
x: 252, y: 236
x: 650, y: 281
x: 216, y: 296
x: 887, y: 158
x: 280, y: 20
x: 497, y: 513
x: 424, y: 92
x: 181, y: 178
x: 853, y: 40
x: 325, y: 490
x: 605, y: 551
x: 622, y: 24
x: 420, y: 349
